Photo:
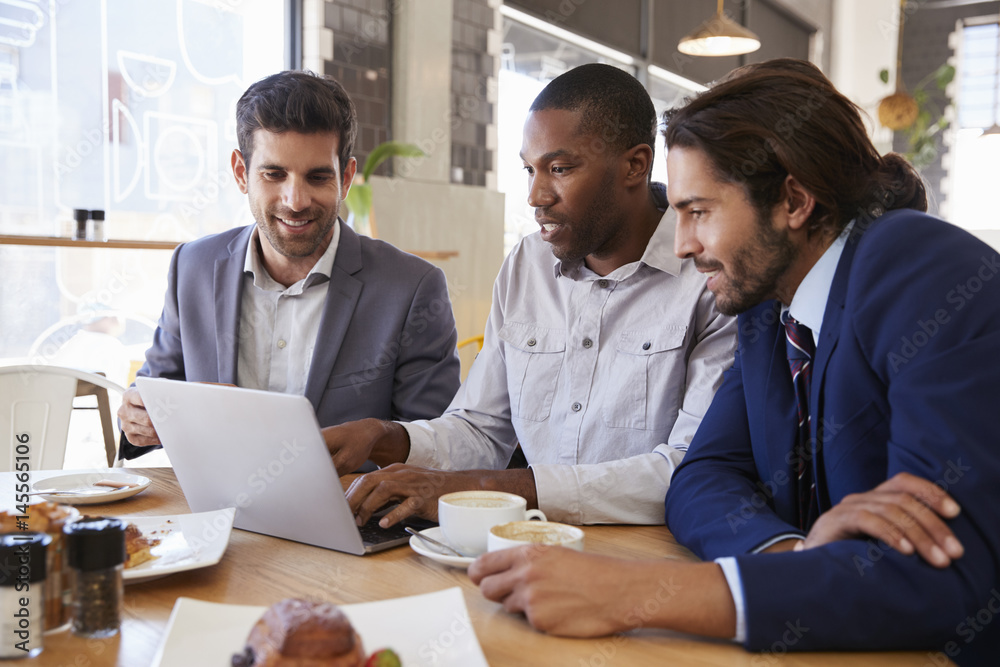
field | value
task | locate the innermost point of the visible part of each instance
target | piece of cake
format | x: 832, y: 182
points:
x: 138, y: 546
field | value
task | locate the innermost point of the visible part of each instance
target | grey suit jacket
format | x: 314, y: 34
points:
x: 386, y: 344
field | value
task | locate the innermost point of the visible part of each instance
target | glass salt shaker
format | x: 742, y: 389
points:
x: 22, y: 593
x: 96, y: 549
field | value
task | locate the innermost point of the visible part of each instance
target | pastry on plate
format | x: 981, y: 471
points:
x: 138, y: 546
x: 302, y: 633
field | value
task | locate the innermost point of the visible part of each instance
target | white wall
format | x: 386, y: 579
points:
x: 863, y: 41
x: 419, y: 215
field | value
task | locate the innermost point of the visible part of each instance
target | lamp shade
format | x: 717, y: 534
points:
x: 719, y: 36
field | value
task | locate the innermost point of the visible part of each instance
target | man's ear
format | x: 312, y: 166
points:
x: 348, y: 177
x: 640, y: 161
x: 239, y: 170
x: 797, y: 204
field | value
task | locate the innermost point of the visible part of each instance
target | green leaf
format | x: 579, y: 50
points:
x: 883, y: 75
x: 359, y: 201
x: 944, y: 75
x: 387, y: 150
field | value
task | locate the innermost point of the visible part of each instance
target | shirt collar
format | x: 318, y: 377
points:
x: 809, y: 303
x: 659, y: 252
x: 321, y: 270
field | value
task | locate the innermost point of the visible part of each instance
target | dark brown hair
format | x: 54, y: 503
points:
x: 297, y: 101
x: 767, y: 120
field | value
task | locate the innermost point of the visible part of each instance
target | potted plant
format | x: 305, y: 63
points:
x: 359, y: 200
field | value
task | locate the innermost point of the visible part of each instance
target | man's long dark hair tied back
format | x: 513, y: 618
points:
x: 767, y: 120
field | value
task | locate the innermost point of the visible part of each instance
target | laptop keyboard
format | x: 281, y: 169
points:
x: 372, y: 533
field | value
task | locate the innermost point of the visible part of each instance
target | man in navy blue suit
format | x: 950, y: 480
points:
x: 846, y: 479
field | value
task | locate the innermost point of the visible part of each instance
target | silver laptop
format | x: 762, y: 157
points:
x: 262, y: 453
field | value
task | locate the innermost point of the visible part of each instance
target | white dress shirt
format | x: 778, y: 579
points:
x: 808, y: 307
x: 602, y: 380
x: 279, y: 325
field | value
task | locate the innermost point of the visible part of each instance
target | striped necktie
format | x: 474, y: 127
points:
x: 800, y: 348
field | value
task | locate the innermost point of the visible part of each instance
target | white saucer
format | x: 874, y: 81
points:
x: 437, y: 553
x: 92, y: 495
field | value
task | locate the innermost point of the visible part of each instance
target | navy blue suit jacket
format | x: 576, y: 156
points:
x: 906, y: 378
x: 387, y: 341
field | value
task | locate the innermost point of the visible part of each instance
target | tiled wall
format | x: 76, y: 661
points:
x: 473, y: 112
x: 362, y: 62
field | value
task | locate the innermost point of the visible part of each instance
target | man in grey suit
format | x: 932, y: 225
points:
x: 299, y: 303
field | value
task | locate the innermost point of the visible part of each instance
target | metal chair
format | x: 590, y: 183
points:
x: 36, y: 402
x: 478, y: 340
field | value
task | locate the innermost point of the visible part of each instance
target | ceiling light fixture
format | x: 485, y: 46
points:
x: 719, y: 36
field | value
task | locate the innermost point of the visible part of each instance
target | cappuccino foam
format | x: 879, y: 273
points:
x: 543, y: 534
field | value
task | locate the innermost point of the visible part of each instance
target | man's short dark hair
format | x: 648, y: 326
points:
x: 300, y: 102
x: 613, y: 104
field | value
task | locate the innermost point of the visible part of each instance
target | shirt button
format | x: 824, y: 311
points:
x: 282, y: 344
x: 587, y: 343
x: 602, y: 283
x: 577, y: 407
x: 531, y: 342
x: 645, y: 345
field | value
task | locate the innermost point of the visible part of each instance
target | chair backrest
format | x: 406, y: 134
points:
x: 36, y: 402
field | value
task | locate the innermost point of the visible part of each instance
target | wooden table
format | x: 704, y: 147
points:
x: 260, y: 570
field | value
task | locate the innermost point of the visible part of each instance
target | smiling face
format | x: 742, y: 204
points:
x: 572, y: 185
x: 295, y: 189
x: 745, y: 256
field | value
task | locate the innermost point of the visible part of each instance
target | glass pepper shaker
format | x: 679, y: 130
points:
x: 22, y: 593
x: 81, y: 215
x: 96, y: 549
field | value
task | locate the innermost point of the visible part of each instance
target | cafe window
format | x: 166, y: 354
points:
x: 535, y: 51
x: 975, y: 156
x: 125, y: 107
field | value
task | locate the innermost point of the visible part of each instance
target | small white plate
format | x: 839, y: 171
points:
x: 435, y: 552
x: 428, y: 629
x: 187, y: 542
x: 92, y: 495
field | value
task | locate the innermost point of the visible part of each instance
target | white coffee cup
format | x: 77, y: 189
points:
x: 467, y: 516
x: 519, y: 533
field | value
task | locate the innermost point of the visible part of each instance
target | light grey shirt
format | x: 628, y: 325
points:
x: 603, y: 381
x: 279, y: 325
